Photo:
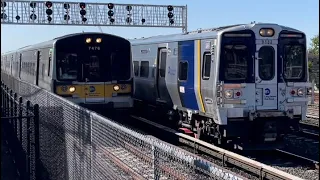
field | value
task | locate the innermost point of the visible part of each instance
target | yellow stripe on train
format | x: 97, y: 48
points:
x: 93, y: 90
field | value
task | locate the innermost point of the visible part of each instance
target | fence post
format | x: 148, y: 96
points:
x: 6, y: 100
x: 15, y: 97
x: 11, y: 108
x: 155, y: 163
x: 37, y: 140
x: 20, y: 117
x: 28, y: 172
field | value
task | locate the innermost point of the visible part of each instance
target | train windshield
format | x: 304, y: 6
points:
x: 236, y: 62
x: 90, y: 61
x: 67, y: 63
x: 293, y: 61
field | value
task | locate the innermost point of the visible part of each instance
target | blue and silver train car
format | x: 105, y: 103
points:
x: 90, y: 69
x: 247, y: 81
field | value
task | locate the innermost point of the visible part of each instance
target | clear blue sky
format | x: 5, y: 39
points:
x: 299, y: 14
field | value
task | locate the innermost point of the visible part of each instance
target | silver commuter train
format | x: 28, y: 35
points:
x: 90, y: 69
x: 247, y: 81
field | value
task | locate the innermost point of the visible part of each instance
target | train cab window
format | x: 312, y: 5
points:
x: 144, y: 69
x: 266, y: 63
x: 67, y: 66
x: 136, y: 68
x: 183, y: 71
x: 206, y: 67
x: 93, y: 68
x: 294, y: 62
x: 236, y: 62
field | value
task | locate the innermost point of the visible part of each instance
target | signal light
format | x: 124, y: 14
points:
x: 110, y: 13
x: 170, y: 14
x: 33, y: 17
x: 129, y: 8
x: 3, y: 16
x: 110, y: 6
x: 49, y: 12
x: 66, y: 6
x: 83, y: 12
x: 128, y: 20
x: 3, y: 4
x: 170, y: 8
x: 48, y: 4
x: 143, y: 20
x: 82, y: 5
x: 33, y: 5
x: 17, y: 17
x: 66, y: 17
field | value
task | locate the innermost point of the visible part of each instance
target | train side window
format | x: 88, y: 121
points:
x: 206, y: 67
x: 49, y: 64
x: 163, y: 63
x: 43, y: 67
x: 144, y: 69
x: 20, y: 64
x: 136, y: 68
x: 183, y: 71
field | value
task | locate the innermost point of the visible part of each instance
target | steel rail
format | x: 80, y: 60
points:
x: 261, y: 170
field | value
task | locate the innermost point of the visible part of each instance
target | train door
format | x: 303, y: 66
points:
x: 161, y: 76
x: 94, y: 86
x: 37, y: 67
x: 266, y: 77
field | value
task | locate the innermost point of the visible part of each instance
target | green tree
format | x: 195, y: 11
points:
x: 314, y: 45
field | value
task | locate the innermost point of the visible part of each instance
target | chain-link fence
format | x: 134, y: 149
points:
x: 20, y: 123
x: 76, y: 143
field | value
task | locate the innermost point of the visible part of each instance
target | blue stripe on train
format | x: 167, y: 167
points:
x: 186, y: 53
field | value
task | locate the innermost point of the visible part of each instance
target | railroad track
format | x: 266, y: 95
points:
x: 228, y: 158
x: 309, y: 130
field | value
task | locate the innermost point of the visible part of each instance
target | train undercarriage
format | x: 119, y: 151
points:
x: 260, y: 133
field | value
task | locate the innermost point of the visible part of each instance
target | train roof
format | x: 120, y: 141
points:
x: 50, y: 42
x: 201, y: 34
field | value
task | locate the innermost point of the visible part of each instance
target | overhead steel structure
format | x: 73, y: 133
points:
x: 92, y: 14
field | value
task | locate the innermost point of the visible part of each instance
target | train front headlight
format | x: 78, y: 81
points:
x: 300, y: 92
x: 116, y: 87
x: 228, y: 94
x: 98, y: 40
x: 72, y: 89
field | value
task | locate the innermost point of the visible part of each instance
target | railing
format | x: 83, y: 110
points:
x: 20, y: 123
x: 75, y: 143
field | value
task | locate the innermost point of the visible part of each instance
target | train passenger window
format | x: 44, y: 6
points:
x: 144, y: 69
x: 67, y: 66
x: 206, y: 67
x: 183, y: 70
x: 266, y: 63
x: 43, y: 68
x: 236, y: 62
x: 163, y: 64
x: 294, y: 61
x: 49, y: 64
x: 136, y: 68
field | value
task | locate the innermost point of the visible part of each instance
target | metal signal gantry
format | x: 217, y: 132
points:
x: 92, y: 14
